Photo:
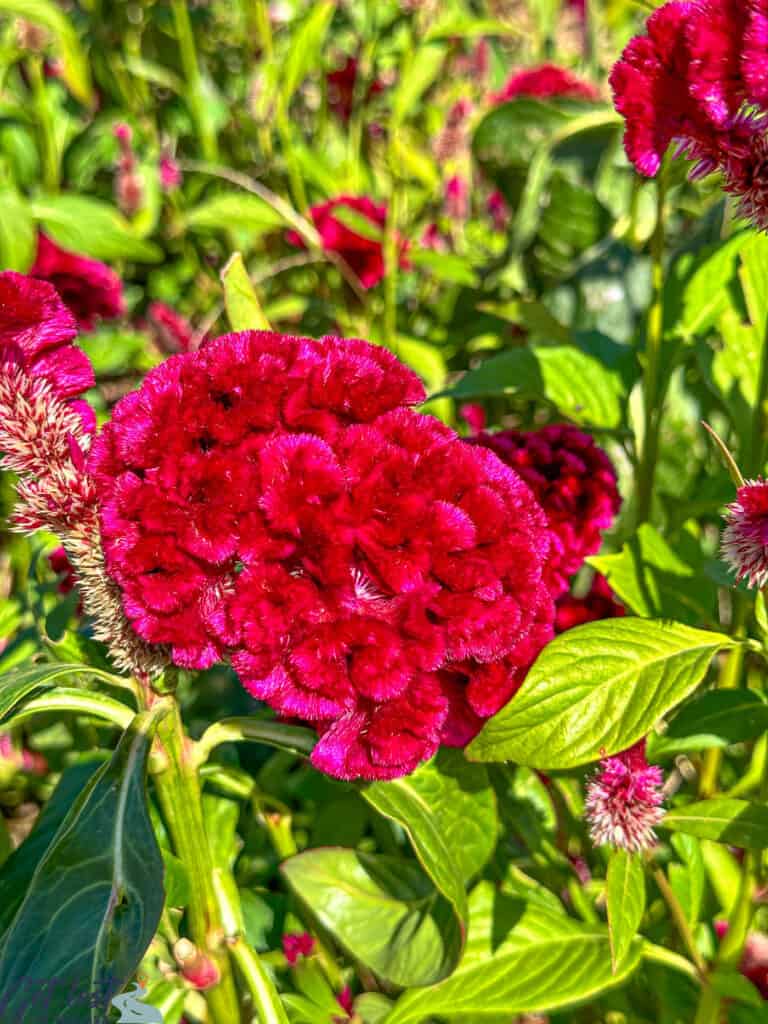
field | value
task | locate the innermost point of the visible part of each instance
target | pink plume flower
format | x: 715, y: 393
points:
x: 624, y: 801
x: 296, y: 945
x: 573, y: 481
x: 170, y: 173
x: 272, y: 501
x: 457, y: 197
x: 365, y: 255
x: 91, y: 289
x: 547, y: 81
x: 745, y: 538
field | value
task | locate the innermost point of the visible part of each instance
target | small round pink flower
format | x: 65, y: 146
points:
x: 624, y: 801
x: 296, y: 945
x: 745, y: 538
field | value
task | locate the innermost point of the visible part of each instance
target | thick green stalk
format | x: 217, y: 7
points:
x: 195, y: 93
x: 654, y: 387
x: 49, y: 148
x: 178, y: 789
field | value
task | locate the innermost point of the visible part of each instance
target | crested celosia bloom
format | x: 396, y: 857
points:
x: 573, y: 481
x: 624, y: 801
x: 547, y: 81
x: 297, y: 944
x: 598, y: 603
x: 44, y: 439
x: 363, y: 254
x: 272, y: 501
x: 699, y: 77
x: 91, y: 289
x: 745, y: 538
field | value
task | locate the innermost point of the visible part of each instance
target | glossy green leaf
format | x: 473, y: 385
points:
x: 75, y: 63
x: 714, y: 719
x: 578, y: 385
x: 92, y: 227
x: 707, y: 291
x: 95, y: 899
x: 372, y: 1007
x: 305, y: 47
x: 688, y: 878
x: 18, y: 685
x: 596, y: 690
x: 445, y: 266
x: 652, y: 578
x: 243, y: 307
x: 625, y: 901
x: 234, y: 211
x: 18, y: 235
x: 448, y: 808
x: 383, y: 911
x: 522, y: 957
x: 733, y: 822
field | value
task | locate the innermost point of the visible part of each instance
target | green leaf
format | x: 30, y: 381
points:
x: 707, y: 290
x: 448, y: 808
x: 43, y: 12
x: 422, y: 68
x: 733, y: 822
x: 655, y: 582
x: 723, y: 872
x: 462, y: 27
x: 522, y: 957
x: 714, y: 719
x: 446, y: 266
x: 596, y: 690
x: 578, y: 385
x: 382, y: 910
x: 688, y: 878
x: 93, y: 228
x: 18, y: 235
x: 243, y: 306
x: 372, y: 1007
x: 18, y: 869
x: 306, y: 45
x: 234, y: 211
x: 625, y: 901
x: 18, y: 685
x: 99, y: 884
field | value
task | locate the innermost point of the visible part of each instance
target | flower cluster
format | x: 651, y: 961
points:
x: 273, y: 501
x: 45, y: 435
x: 745, y: 538
x: 623, y: 801
x: 89, y: 288
x: 363, y: 252
x: 573, y: 481
x: 548, y: 81
x: 699, y: 76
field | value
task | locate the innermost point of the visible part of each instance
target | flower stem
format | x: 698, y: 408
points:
x: 178, y: 789
x: 46, y: 129
x: 195, y: 94
x: 653, y: 386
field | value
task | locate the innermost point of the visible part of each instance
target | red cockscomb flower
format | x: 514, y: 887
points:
x: 273, y: 501
x: 623, y: 801
x: 547, y: 81
x: 91, y: 289
x: 573, y: 481
x: 365, y: 255
x: 599, y: 603
x: 297, y: 944
x: 745, y: 538
x: 341, y: 88
x: 173, y: 332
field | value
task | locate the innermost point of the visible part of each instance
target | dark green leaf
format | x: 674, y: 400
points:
x: 733, y: 822
x: 715, y: 719
x: 625, y: 900
x: 92, y: 227
x: 16, y: 686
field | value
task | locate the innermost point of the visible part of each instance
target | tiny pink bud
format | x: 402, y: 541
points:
x: 296, y: 945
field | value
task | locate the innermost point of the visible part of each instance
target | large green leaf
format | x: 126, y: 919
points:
x: 596, y: 690
x: 17, y: 871
x: 448, y: 808
x: 234, y: 211
x: 48, y: 14
x: 578, y: 385
x: 242, y: 303
x: 421, y: 69
x: 625, y: 901
x: 92, y: 227
x: 95, y: 899
x: 18, y: 685
x: 652, y: 578
x: 714, y: 719
x: 688, y: 879
x: 734, y: 822
x: 523, y: 956
x: 18, y: 234
x: 382, y: 910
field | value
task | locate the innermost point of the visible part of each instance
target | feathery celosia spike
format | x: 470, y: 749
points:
x: 745, y: 538
x: 624, y: 801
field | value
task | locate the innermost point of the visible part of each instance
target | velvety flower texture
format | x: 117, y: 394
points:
x: 598, y: 603
x: 623, y: 801
x: 547, y: 81
x: 36, y: 332
x: 91, y: 289
x: 365, y: 255
x: 273, y: 501
x: 573, y: 481
x: 745, y: 538
x: 699, y: 77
